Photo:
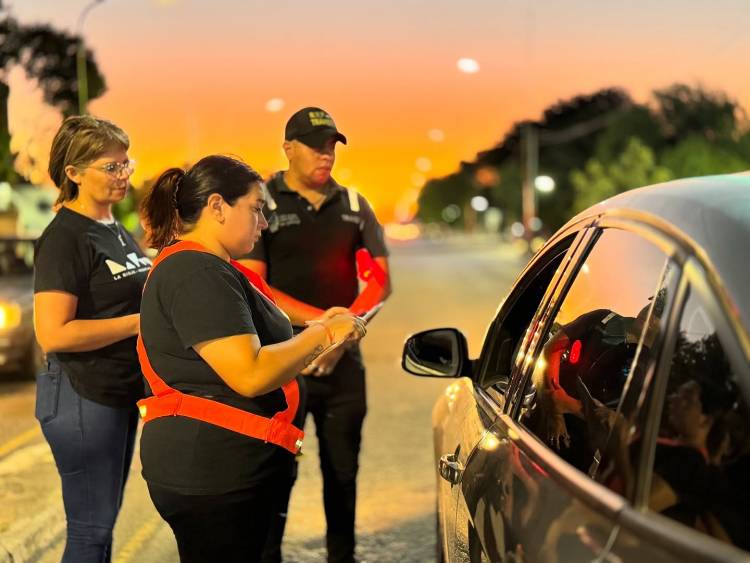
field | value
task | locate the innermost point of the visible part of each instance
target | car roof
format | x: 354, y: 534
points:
x: 713, y: 212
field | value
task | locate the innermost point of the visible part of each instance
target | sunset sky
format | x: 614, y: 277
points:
x: 188, y: 78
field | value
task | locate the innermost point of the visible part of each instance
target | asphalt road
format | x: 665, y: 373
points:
x: 451, y: 283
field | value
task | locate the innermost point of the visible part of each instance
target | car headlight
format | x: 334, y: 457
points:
x: 10, y: 315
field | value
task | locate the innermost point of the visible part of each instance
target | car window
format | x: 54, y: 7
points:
x: 702, y: 453
x: 508, y: 330
x: 16, y: 257
x: 608, y: 318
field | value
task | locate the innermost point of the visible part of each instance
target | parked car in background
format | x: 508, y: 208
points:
x: 608, y: 415
x: 19, y: 353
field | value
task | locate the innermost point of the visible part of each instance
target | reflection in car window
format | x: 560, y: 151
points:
x: 16, y: 257
x: 702, y: 457
x: 609, y: 317
x: 505, y: 339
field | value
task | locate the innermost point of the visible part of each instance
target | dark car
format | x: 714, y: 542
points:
x: 19, y: 353
x: 608, y: 415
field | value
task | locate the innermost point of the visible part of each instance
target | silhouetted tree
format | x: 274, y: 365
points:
x: 686, y: 110
x: 48, y: 56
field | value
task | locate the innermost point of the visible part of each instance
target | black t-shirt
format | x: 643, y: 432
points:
x: 310, y: 254
x: 105, y: 269
x: 194, y: 297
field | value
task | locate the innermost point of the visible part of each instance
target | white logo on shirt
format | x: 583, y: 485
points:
x: 114, y: 267
x: 351, y: 218
x: 134, y: 263
x: 288, y: 219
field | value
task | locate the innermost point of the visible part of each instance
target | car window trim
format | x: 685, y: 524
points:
x: 672, y: 255
x: 679, y: 540
x: 490, y: 399
x: 537, y: 263
x: 656, y: 231
x: 658, y: 345
x: 507, y: 306
x: 684, y: 247
x: 658, y: 386
x: 657, y: 235
x: 543, y: 317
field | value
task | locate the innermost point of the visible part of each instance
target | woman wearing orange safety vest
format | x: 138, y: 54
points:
x: 219, y: 437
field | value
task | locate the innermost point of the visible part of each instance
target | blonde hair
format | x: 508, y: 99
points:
x: 80, y: 140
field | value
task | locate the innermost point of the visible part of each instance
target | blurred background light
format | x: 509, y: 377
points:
x: 479, y: 203
x: 467, y: 65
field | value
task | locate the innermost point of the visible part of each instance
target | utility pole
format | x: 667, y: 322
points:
x: 530, y: 160
x: 531, y: 139
x: 81, y: 70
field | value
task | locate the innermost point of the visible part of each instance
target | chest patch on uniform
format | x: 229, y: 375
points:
x: 350, y: 218
x: 287, y: 220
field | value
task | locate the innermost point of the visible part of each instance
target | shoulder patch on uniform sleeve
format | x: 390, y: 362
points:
x: 353, y: 199
x: 270, y: 201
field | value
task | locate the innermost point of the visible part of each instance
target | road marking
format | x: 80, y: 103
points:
x: 141, y: 536
x: 19, y: 440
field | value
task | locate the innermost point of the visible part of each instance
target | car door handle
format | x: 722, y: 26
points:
x: 451, y: 469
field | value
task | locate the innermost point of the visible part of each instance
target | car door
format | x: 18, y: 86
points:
x: 530, y: 487
x: 479, y: 409
x: 692, y: 446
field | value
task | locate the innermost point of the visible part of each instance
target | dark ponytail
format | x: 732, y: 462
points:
x: 176, y: 201
x: 159, y: 208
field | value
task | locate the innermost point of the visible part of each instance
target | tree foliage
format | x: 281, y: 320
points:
x: 48, y: 56
x: 600, y: 144
x: 636, y: 166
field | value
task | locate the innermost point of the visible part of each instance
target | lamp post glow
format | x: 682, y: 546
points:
x: 544, y: 184
x: 479, y: 203
x: 83, y: 83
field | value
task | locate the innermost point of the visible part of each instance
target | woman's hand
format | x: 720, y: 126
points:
x: 345, y: 326
x: 341, y: 327
x: 332, y: 312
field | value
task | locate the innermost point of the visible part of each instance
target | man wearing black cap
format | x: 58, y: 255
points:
x: 308, y: 257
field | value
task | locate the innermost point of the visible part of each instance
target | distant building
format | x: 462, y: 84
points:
x: 25, y: 209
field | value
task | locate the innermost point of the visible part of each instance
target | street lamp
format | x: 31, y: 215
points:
x: 479, y: 203
x: 83, y: 85
x: 544, y: 184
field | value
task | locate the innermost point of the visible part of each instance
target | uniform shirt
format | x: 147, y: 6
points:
x: 310, y: 254
x: 105, y: 269
x: 195, y: 297
x: 605, y: 355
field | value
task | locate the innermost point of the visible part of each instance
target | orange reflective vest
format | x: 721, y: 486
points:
x: 167, y: 401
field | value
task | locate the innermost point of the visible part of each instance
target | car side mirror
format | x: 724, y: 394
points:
x: 440, y: 352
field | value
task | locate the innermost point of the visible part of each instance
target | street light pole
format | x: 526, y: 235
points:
x: 530, y: 162
x: 83, y: 84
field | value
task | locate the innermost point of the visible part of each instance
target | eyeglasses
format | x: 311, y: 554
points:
x: 116, y: 169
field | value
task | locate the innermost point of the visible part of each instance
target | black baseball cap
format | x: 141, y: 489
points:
x: 313, y: 127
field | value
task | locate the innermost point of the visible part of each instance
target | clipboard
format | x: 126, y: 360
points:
x: 368, y: 316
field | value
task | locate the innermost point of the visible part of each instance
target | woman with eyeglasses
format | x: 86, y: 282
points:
x: 88, y: 278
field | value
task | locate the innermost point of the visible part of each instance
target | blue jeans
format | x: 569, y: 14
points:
x: 92, y: 445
